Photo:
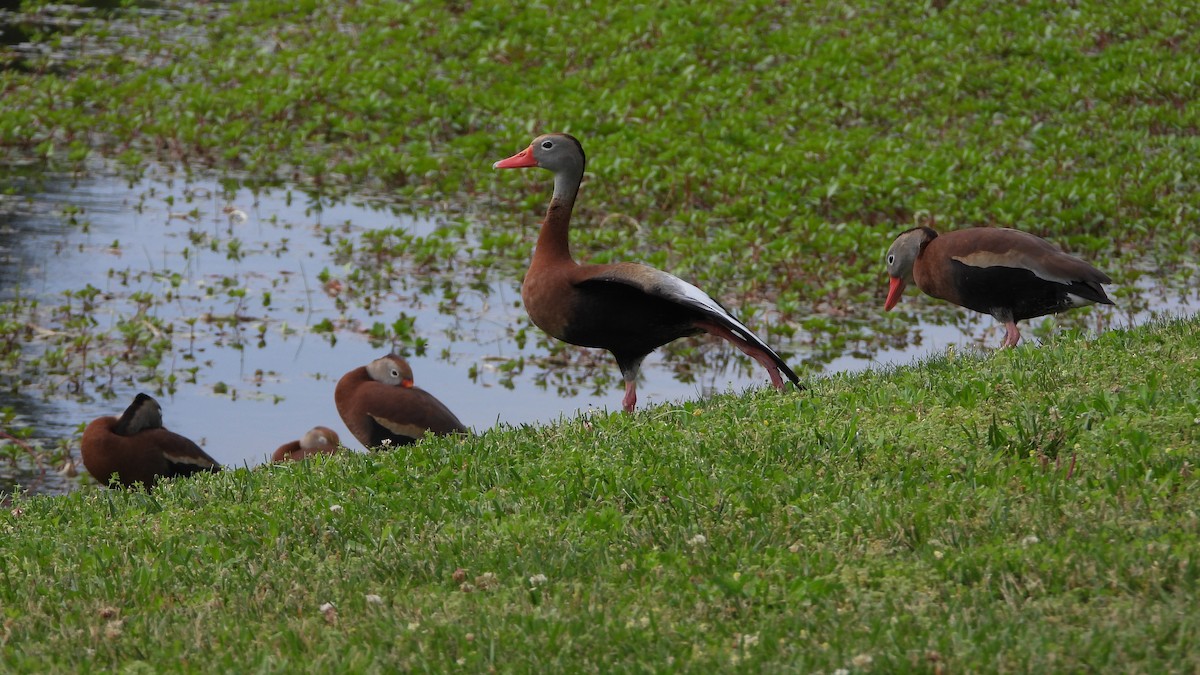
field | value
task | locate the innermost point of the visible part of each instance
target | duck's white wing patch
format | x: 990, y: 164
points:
x: 194, y: 460
x: 657, y: 282
x: 1077, y: 301
x: 399, y: 428
x: 672, y: 286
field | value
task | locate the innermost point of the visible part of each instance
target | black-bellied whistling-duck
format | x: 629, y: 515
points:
x: 1009, y: 274
x: 379, y: 403
x: 137, y: 449
x: 317, y: 440
x: 629, y: 309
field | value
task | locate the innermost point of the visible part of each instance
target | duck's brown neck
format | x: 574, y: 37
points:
x: 553, y: 243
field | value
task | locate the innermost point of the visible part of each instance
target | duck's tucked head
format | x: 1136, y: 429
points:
x: 900, y: 260
x: 143, y: 413
x: 391, y: 370
x: 556, y: 152
x: 320, y: 439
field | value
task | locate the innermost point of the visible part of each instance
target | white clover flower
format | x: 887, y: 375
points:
x: 698, y: 540
x: 640, y: 622
x: 1030, y: 540
x: 330, y: 613
x: 538, y: 579
x: 336, y: 508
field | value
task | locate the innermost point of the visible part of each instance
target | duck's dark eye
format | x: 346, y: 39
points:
x: 891, y: 259
x: 395, y: 373
x: 546, y: 145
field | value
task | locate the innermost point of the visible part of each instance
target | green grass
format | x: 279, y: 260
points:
x: 1031, y: 510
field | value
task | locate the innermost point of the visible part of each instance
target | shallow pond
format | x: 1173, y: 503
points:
x: 239, y: 311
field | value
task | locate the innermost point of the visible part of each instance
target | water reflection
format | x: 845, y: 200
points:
x: 18, y: 25
x: 240, y: 310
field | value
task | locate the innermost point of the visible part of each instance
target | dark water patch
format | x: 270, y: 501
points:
x: 43, y: 39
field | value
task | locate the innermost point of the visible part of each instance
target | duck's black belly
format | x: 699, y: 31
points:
x: 1014, y: 291
x: 626, y: 321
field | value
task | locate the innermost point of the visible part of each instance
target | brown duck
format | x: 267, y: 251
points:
x: 135, y: 448
x: 318, y: 440
x: 1009, y: 274
x: 378, y: 403
x: 629, y: 309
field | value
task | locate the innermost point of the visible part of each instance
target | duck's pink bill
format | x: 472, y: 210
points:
x: 522, y: 159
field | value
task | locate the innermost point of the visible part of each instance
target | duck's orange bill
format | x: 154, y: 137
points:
x: 406, y: 383
x: 895, y: 290
x: 521, y: 159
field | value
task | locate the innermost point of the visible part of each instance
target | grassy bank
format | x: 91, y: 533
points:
x: 1028, y: 510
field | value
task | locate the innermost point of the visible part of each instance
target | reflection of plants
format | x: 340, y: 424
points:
x: 24, y: 455
x: 382, y: 263
x: 15, y: 312
x: 400, y: 336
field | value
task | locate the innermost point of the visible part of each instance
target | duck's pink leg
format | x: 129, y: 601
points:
x: 630, y: 400
x: 1012, y: 335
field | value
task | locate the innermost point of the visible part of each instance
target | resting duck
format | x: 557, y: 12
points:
x: 318, y: 440
x: 1009, y: 274
x: 629, y: 309
x: 137, y: 449
x: 379, y: 403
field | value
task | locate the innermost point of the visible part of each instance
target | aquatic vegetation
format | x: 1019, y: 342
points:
x: 810, y: 134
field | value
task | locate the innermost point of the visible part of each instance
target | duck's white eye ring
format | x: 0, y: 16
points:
x: 891, y: 259
x: 395, y: 373
x: 546, y: 145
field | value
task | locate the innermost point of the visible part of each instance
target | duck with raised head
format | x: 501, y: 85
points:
x: 136, y: 448
x: 378, y: 402
x: 315, y: 441
x: 1009, y: 274
x: 628, y: 308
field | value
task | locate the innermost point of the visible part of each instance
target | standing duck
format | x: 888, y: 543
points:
x: 1009, y: 274
x: 379, y: 403
x: 137, y: 449
x: 629, y: 309
x: 318, y: 440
